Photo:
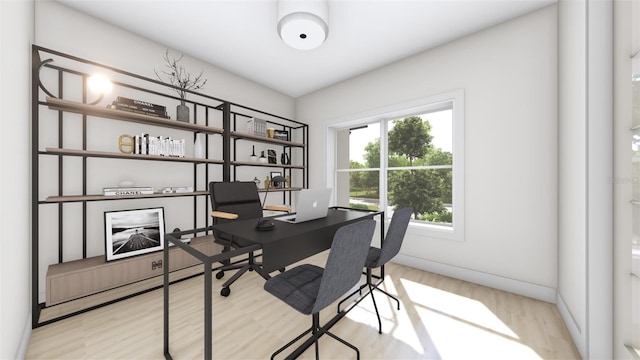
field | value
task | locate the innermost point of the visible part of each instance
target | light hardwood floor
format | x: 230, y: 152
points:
x: 439, y: 318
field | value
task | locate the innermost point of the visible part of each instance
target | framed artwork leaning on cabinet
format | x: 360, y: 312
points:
x: 133, y: 232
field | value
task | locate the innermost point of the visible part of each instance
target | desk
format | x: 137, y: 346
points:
x: 289, y: 243
x: 284, y: 245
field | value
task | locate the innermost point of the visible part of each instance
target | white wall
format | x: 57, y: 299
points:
x: 585, y: 157
x: 509, y: 76
x: 69, y: 31
x: 16, y: 35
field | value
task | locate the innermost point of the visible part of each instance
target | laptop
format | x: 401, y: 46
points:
x: 312, y: 204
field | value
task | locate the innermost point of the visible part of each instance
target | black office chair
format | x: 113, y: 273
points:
x: 378, y: 257
x: 309, y: 288
x: 230, y: 201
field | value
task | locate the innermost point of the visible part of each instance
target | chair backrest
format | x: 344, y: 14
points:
x: 345, y: 262
x: 395, y: 235
x: 238, y: 197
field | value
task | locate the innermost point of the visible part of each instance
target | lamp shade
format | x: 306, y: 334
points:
x: 303, y: 24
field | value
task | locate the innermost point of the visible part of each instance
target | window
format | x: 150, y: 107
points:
x: 408, y: 155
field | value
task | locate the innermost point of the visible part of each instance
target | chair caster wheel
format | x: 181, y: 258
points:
x: 281, y: 270
x: 220, y: 275
x: 250, y: 269
x: 225, y: 291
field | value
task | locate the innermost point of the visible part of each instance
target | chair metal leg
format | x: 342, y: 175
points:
x: 316, y: 331
x: 359, y: 290
x: 374, y: 300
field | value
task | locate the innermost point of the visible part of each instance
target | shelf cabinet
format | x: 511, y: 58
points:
x: 69, y: 155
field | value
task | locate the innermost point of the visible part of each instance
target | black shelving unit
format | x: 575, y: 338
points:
x: 211, y: 116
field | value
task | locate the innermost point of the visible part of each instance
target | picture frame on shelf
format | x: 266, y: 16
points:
x: 276, y: 184
x: 281, y: 135
x: 133, y: 232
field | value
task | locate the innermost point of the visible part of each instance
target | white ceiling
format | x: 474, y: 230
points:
x: 240, y: 35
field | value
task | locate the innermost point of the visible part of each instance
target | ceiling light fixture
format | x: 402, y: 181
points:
x: 302, y: 24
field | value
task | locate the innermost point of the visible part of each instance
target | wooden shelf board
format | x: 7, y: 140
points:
x: 76, y: 107
x: 76, y: 198
x: 114, y: 155
x: 251, y: 163
x: 239, y: 135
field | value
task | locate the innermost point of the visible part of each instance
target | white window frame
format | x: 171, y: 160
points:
x: 455, y: 101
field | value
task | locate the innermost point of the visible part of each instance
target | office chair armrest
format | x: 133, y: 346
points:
x: 224, y: 215
x: 283, y: 208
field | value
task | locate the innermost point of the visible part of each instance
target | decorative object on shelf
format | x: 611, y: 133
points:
x: 253, y: 156
x: 262, y: 158
x: 271, y: 156
x: 198, y: 147
x: 281, y: 135
x: 139, y: 107
x: 277, y: 181
x: 126, y: 144
x: 182, y: 82
x: 127, y: 190
x: 267, y: 183
x: 288, y: 181
x: 257, y: 181
x: 285, y: 159
x: 271, y: 132
x: 303, y: 24
x: 133, y: 232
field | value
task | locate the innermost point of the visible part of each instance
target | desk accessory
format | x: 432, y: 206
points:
x: 265, y: 224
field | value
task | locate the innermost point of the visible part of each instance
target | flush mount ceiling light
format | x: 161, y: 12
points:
x: 302, y: 24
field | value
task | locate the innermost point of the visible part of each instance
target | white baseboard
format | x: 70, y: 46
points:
x: 534, y: 291
x: 572, y: 326
x: 24, y: 340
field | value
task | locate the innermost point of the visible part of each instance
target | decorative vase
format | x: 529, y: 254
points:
x: 198, y: 147
x: 182, y: 112
x: 262, y: 159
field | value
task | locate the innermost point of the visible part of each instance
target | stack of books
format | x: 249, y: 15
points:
x: 133, y: 190
x: 257, y: 127
x: 139, y: 107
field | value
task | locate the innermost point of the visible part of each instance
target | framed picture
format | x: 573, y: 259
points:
x: 281, y: 135
x: 133, y: 232
x: 272, y: 156
x: 277, y: 184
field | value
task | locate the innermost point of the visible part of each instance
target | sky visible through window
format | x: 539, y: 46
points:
x: 441, y: 130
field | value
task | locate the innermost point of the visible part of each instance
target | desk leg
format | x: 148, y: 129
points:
x: 208, y: 337
x: 165, y: 271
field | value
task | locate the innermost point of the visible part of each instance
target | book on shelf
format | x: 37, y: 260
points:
x: 138, y: 106
x: 131, y: 190
x: 257, y: 127
x: 177, y: 190
x: 142, y: 104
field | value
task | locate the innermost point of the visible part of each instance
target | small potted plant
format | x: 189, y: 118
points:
x: 182, y: 81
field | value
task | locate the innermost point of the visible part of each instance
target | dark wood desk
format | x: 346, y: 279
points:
x: 289, y: 243
x: 284, y: 245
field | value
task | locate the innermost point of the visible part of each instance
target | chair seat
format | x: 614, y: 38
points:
x: 372, y: 257
x: 297, y: 287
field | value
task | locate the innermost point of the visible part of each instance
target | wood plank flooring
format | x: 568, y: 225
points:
x: 439, y: 318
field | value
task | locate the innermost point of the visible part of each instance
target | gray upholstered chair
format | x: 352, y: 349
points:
x: 309, y: 288
x: 231, y: 201
x: 380, y: 256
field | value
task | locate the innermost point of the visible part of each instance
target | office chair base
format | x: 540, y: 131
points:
x: 316, y: 332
